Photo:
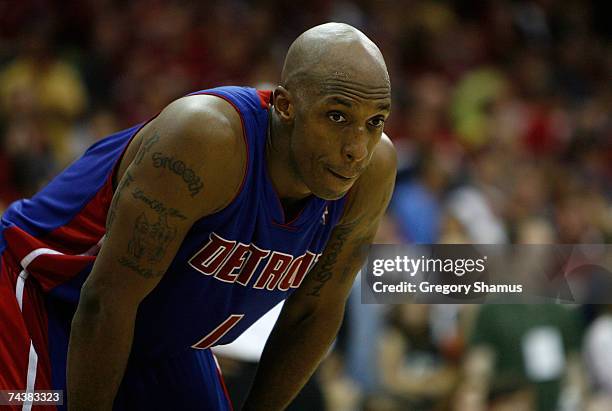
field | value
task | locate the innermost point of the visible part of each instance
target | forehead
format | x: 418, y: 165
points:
x: 354, y: 102
x: 346, y: 91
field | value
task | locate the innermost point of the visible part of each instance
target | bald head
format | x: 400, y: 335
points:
x: 334, y: 52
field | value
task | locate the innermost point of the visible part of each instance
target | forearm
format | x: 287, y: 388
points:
x: 292, y: 354
x: 99, y: 348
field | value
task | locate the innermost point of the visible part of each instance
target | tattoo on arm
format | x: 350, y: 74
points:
x: 156, y: 205
x: 194, y: 183
x: 323, y: 272
x: 146, y: 147
x: 142, y: 271
x: 324, y: 269
x: 148, y: 245
x: 150, y: 240
x: 150, y: 237
x: 112, y: 211
x: 358, y: 254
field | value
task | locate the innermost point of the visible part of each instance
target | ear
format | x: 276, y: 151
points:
x: 283, y: 103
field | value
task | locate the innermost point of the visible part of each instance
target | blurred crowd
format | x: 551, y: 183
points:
x: 501, y: 117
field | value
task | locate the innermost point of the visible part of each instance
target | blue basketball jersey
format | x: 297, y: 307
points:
x: 232, y: 267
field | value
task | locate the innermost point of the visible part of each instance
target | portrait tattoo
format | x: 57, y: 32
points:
x: 148, y: 245
x: 150, y: 239
x: 194, y: 183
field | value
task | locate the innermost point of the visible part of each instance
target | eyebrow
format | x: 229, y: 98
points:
x: 347, y: 103
x: 341, y: 101
x: 384, y: 106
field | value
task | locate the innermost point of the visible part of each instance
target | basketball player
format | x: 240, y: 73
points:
x: 168, y: 238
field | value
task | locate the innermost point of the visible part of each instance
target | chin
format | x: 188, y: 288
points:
x: 329, y: 194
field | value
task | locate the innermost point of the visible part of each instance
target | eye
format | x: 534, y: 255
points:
x: 377, y: 122
x: 336, y: 117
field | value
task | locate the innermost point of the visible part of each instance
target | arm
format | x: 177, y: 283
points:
x: 153, y: 208
x: 312, y: 316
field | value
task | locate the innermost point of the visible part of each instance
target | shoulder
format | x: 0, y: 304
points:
x: 203, y: 135
x: 201, y: 119
x: 368, y: 198
x: 209, y: 131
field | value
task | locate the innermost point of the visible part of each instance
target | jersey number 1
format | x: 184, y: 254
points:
x: 216, y: 334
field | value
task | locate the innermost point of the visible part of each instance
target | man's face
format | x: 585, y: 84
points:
x: 334, y: 136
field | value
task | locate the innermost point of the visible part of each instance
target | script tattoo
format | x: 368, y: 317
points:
x: 178, y: 167
x: 325, y: 267
x: 112, y: 211
x: 156, y: 205
x: 359, y: 253
x: 146, y: 147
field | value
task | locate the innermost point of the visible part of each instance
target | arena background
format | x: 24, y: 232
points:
x: 501, y: 117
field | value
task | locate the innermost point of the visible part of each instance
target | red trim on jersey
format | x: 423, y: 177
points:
x: 26, y: 325
x: 265, y: 97
x: 216, y: 334
x: 87, y: 226
x: 50, y: 278
x: 225, y: 391
x: 20, y: 243
x: 14, y: 344
x: 288, y: 226
x: 35, y: 318
x: 79, y: 235
x: 50, y: 270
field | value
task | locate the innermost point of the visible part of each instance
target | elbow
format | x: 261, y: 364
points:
x: 95, y: 307
x: 329, y: 317
x: 90, y: 304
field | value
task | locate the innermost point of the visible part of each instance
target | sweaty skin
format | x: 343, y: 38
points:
x: 325, y: 139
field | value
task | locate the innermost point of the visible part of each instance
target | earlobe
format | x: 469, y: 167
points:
x: 283, y: 103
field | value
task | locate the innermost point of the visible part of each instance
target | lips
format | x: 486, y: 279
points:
x: 342, y: 175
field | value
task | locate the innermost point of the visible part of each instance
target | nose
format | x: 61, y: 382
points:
x: 355, y: 149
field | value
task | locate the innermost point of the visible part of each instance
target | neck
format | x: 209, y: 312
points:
x: 285, y: 179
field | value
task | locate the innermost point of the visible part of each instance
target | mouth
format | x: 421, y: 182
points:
x: 342, y: 176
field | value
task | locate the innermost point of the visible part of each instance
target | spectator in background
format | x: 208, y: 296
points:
x: 501, y: 116
x: 364, y: 323
x: 537, y: 343
x: 96, y: 125
x: 512, y: 395
x: 55, y: 93
x: 597, y: 355
x: 415, y: 369
x: 26, y: 150
x: 416, y: 203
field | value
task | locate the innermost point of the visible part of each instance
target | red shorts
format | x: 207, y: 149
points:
x: 24, y: 356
